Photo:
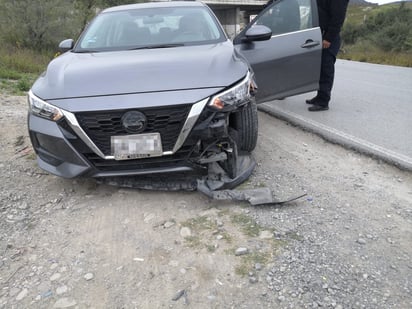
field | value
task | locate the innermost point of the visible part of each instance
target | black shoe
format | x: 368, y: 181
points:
x: 312, y: 101
x: 318, y: 108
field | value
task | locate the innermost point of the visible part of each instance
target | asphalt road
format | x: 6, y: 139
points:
x: 371, y: 111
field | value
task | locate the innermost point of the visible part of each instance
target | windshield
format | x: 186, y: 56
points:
x: 154, y: 27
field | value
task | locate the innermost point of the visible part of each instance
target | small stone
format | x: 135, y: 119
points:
x: 53, y: 266
x: 168, y: 224
x: 148, y: 217
x: 23, y: 206
x: 61, y: 290
x: 241, y: 251
x: 48, y: 293
x: 219, y: 237
x: 253, y: 280
x: 22, y: 294
x: 211, y: 297
x: 88, y: 276
x: 185, y: 232
x: 361, y: 241
x: 178, y: 295
x: 55, y: 277
x: 281, y: 298
x: 258, y: 266
x: 138, y: 259
x: 265, y: 235
x: 65, y: 303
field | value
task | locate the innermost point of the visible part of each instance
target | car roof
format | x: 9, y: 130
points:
x: 148, y: 5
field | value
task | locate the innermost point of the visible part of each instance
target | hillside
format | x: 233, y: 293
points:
x: 378, y: 33
x: 367, y: 3
x: 360, y: 2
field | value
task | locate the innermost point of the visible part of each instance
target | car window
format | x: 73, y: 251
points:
x: 139, y: 28
x: 287, y: 16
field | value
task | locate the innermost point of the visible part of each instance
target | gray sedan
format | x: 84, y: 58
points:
x: 159, y: 88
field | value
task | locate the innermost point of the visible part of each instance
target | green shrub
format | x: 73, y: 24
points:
x: 24, y: 84
x: 380, y: 34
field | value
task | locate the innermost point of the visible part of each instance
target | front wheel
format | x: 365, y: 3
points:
x: 246, y: 124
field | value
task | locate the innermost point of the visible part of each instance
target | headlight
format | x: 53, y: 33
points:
x: 235, y: 96
x: 42, y: 109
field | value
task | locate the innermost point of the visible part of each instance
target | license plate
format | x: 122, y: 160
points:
x: 136, y: 146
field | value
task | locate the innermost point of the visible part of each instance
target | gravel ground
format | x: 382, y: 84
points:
x: 77, y: 244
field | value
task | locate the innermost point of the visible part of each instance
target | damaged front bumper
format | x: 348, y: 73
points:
x: 65, y: 148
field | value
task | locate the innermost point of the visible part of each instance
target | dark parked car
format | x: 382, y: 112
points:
x: 159, y: 87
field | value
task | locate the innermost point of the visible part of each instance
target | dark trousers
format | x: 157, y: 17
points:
x: 327, y: 72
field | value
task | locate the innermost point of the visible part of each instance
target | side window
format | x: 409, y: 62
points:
x: 287, y: 16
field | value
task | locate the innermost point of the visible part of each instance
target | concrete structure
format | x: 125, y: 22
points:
x: 233, y: 14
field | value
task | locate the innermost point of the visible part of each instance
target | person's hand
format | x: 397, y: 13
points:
x: 325, y: 44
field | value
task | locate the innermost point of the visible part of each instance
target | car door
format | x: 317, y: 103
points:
x: 289, y: 62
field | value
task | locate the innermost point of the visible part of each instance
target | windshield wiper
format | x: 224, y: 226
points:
x: 84, y: 51
x: 157, y: 46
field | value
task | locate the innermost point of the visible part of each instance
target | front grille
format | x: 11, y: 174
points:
x: 180, y: 158
x: 100, y: 126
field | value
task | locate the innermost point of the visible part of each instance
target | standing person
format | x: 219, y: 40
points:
x: 331, y: 17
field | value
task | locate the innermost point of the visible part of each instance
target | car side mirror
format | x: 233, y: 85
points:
x: 66, y: 45
x: 258, y: 33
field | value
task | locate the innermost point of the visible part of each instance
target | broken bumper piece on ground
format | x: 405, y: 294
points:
x: 216, y: 184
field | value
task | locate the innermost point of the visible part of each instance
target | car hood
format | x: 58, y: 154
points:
x: 74, y: 75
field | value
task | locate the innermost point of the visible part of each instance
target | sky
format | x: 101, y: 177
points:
x: 382, y: 1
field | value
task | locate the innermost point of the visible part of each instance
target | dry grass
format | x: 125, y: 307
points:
x: 365, y: 52
x: 19, y: 68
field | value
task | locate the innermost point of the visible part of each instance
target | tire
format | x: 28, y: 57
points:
x: 246, y: 123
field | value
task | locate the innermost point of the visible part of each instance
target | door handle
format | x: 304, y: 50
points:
x: 310, y: 44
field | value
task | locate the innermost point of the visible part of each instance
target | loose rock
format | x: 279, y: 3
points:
x: 241, y: 251
x: 88, y: 276
x: 65, y: 303
x: 265, y: 235
x: 61, y: 290
x: 185, y: 232
x: 55, y: 277
x: 22, y: 294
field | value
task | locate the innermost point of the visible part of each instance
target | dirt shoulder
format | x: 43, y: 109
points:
x: 77, y: 244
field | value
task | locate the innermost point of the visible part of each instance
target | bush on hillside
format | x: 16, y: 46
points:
x: 390, y: 30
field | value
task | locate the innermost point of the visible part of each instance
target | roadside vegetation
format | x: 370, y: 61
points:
x: 30, y: 31
x: 227, y: 232
x: 379, y: 34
